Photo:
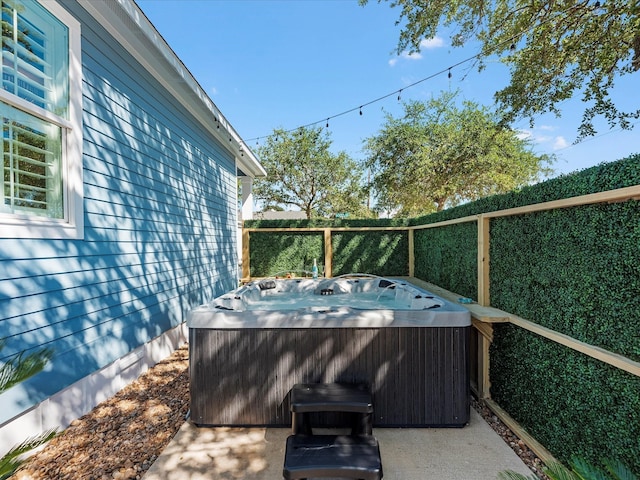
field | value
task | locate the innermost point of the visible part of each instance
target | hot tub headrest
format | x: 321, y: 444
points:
x: 384, y: 283
x: 267, y: 284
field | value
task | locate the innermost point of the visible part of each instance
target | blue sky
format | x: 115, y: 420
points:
x: 282, y: 64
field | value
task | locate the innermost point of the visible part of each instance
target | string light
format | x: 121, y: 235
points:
x: 476, y: 57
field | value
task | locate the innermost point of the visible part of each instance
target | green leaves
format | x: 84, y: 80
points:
x: 303, y: 173
x: 441, y: 154
x: 22, y: 366
x: 554, y: 50
x: 16, y: 370
x: 12, y: 460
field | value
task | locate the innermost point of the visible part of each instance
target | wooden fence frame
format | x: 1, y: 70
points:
x: 482, y: 314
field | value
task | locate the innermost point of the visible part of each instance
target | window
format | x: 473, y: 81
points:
x: 41, y: 122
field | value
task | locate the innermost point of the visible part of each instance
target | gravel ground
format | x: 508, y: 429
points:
x: 122, y: 436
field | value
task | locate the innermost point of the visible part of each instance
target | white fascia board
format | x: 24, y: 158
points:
x: 132, y: 29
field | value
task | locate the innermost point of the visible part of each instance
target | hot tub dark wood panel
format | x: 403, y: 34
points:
x: 418, y: 376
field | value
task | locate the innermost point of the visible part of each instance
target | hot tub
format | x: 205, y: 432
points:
x: 250, y: 346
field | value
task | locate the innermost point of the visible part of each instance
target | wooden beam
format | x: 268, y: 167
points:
x: 328, y: 253
x: 412, y: 253
x: 454, y: 221
x: 483, y: 261
x: 618, y: 195
x: 484, y: 361
x: 598, y: 353
x: 485, y: 329
x: 334, y: 229
x: 246, y: 270
x: 515, y: 427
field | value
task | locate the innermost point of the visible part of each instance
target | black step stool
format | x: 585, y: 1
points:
x: 342, y: 456
x: 307, y: 398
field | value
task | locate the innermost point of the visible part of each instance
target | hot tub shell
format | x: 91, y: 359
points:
x: 243, y: 364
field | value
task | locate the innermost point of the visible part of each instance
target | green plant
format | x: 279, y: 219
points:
x: 579, y: 469
x: 12, y: 372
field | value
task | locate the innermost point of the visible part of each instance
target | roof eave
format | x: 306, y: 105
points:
x: 133, y: 30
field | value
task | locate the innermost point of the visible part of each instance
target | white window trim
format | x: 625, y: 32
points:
x: 72, y: 225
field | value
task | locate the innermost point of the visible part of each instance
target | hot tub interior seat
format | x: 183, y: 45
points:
x: 406, y: 295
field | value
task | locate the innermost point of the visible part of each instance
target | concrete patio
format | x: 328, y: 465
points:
x: 474, y: 452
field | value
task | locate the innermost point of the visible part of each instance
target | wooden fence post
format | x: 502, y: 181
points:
x: 328, y: 254
x: 246, y: 270
x: 483, y: 261
x: 412, y: 255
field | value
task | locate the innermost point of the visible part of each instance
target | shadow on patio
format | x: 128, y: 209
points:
x: 474, y: 452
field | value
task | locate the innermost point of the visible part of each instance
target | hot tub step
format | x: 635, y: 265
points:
x: 307, y: 398
x: 341, y: 456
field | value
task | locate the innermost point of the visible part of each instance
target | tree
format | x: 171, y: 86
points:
x: 554, y: 50
x: 302, y: 172
x: 12, y: 372
x: 439, y: 155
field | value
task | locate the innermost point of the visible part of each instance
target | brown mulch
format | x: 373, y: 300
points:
x: 123, y: 436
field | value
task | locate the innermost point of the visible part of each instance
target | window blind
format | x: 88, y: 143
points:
x: 31, y: 161
x: 34, y: 68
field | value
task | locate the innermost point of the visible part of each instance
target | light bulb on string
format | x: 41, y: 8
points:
x: 361, y: 110
x: 327, y: 123
x: 449, y: 74
x: 399, y: 94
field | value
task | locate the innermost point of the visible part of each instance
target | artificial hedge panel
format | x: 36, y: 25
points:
x: 600, y: 178
x: 447, y: 256
x: 272, y: 253
x: 573, y: 404
x: 575, y: 270
x: 374, y: 252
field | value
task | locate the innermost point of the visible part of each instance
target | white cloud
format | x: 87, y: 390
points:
x: 431, y: 43
x: 213, y: 91
x: 427, y: 44
x: 411, y: 56
x: 560, y: 143
x: 540, y: 136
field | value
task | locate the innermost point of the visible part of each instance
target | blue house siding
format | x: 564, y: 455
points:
x: 159, y: 236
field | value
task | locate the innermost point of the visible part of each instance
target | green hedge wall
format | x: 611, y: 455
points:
x: 378, y: 253
x: 374, y: 252
x: 575, y: 270
x: 607, y: 176
x: 573, y: 404
x: 277, y: 253
x: 447, y: 256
